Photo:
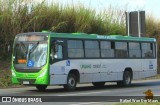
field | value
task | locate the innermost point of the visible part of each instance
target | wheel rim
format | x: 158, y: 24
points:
x: 127, y: 78
x: 71, y: 82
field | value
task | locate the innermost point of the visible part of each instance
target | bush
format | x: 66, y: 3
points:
x: 17, y: 16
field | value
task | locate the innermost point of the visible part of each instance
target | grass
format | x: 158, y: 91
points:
x: 17, y: 16
x: 5, y: 75
x: 5, y: 78
x: 153, y: 77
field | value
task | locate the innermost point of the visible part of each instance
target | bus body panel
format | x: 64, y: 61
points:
x: 41, y: 77
x: 31, y: 78
x: 97, y: 70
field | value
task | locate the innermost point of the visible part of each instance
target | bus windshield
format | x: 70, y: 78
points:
x: 30, y: 53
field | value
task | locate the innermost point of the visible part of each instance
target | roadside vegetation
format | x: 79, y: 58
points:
x: 5, y: 75
x: 17, y: 16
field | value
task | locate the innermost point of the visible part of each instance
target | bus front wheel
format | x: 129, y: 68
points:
x: 71, y: 83
x: 41, y: 87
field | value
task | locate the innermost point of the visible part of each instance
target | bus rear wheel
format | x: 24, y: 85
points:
x: 71, y: 83
x: 127, y: 79
x: 98, y: 84
x: 41, y: 87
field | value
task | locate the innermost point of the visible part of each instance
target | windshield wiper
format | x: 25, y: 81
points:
x: 23, y: 47
x: 34, y: 47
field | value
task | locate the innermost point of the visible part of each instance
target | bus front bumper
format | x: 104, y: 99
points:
x: 40, y: 78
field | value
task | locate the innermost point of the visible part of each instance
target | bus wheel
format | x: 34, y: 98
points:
x: 71, y: 83
x: 98, y: 84
x: 127, y: 79
x: 41, y: 87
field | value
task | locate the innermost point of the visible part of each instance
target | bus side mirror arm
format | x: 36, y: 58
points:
x: 56, y: 48
x: 51, y: 58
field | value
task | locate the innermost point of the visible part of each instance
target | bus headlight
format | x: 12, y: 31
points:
x: 43, y: 73
x: 13, y: 73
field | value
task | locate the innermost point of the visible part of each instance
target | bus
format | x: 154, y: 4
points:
x: 44, y: 59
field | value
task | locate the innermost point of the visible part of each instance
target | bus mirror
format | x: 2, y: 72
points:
x: 55, y: 46
x: 55, y: 56
x: 51, y: 57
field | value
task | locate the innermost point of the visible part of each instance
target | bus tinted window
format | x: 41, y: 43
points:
x: 59, y: 53
x: 147, y: 50
x: 121, y: 49
x: 106, y: 50
x: 92, y: 49
x: 75, y: 49
x: 134, y: 50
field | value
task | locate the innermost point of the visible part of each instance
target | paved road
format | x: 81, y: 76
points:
x: 86, y: 93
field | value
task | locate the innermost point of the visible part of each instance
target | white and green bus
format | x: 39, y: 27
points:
x: 45, y: 58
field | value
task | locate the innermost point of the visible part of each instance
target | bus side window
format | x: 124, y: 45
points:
x: 56, y: 52
x: 59, y: 52
x: 53, y: 50
x: 147, y: 51
x: 152, y: 45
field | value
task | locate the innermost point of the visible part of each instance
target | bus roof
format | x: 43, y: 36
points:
x: 94, y: 36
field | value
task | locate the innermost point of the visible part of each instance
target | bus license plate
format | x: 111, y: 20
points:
x: 25, y: 82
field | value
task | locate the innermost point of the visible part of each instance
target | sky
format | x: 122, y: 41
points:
x: 151, y: 7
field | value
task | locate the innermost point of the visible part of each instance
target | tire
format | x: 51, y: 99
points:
x: 41, y: 87
x: 127, y: 79
x: 71, y: 83
x: 98, y: 84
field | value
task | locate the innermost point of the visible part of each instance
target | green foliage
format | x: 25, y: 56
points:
x: 17, y: 16
x: 5, y: 78
x: 5, y: 74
